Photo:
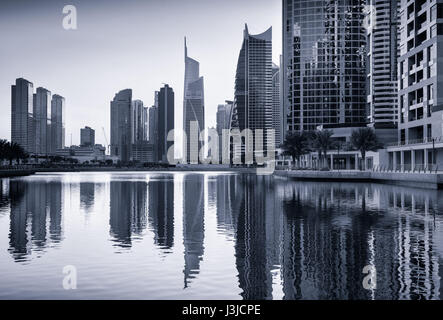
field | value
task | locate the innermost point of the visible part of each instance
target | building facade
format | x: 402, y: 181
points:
x: 165, y: 122
x: 42, y: 121
x: 324, y: 45
x: 223, y: 123
x: 121, y: 132
x: 22, y: 119
x: 382, y: 54
x: 277, y: 114
x: 193, y: 108
x: 87, y: 137
x: 57, y: 122
x: 420, y: 96
x: 137, y: 121
x: 253, y: 102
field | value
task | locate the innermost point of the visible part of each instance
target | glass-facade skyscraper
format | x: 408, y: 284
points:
x: 121, y: 125
x: 193, y: 107
x: 165, y: 122
x: 324, y: 45
x: 42, y: 118
x: 22, y: 119
x: 253, y: 102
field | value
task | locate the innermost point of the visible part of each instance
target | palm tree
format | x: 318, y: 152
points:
x: 295, y: 145
x: 364, y: 140
x: 3, y: 149
x: 322, y: 142
x: 14, y: 151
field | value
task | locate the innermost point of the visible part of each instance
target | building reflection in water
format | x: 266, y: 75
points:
x: 128, y: 211
x: 161, y: 211
x: 33, y: 205
x: 331, y: 231
x: 87, y: 195
x: 294, y: 240
x: 251, y: 249
x: 193, y: 225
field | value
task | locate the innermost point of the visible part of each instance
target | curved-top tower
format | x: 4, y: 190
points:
x: 253, y: 85
x: 193, y: 107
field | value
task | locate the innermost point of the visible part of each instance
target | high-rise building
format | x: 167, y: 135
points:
x: 420, y: 95
x: 324, y: 45
x: 121, y: 132
x: 87, y: 137
x: 165, y: 122
x: 145, y: 124
x: 253, y: 107
x: 57, y: 123
x: 223, y: 122
x: 137, y: 121
x: 193, y: 108
x: 22, y: 120
x: 42, y: 121
x: 277, y: 114
x: 382, y: 63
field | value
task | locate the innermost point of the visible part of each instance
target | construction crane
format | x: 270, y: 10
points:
x: 106, y: 139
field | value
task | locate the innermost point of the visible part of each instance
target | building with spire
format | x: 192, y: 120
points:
x: 193, y: 109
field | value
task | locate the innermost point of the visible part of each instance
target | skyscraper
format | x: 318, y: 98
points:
x: 87, y: 137
x: 121, y: 125
x: 22, y: 120
x: 253, y: 85
x: 277, y: 115
x: 223, y: 122
x: 137, y: 121
x: 165, y: 121
x: 193, y: 107
x: 153, y: 125
x: 324, y: 63
x: 382, y: 63
x: 42, y: 121
x: 57, y: 122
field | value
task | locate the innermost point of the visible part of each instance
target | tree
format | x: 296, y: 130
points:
x: 3, y: 149
x: 14, y: 151
x: 296, y: 145
x: 364, y: 140
x: 322, y: 141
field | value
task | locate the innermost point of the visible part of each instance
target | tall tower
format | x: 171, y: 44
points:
x: 324, y: 63
x: 42, y: 121
x: 22, y: 119
x: 137, y: 121
x: 382, y: 63
x: 165, y: 121
x: 253, y: 85
x: 57, y: 122
x: 193, y: 107
x: 277, y: 115
x: 121, y: 125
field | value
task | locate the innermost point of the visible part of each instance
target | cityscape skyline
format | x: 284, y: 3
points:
x: 88, y: 99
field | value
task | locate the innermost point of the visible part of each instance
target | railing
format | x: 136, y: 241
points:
x: 407, y: 168
x: 416, y: 141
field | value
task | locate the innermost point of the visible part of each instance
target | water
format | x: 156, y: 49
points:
x: 216, y: 236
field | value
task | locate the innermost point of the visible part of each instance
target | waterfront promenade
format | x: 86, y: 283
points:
x: 409, y: 179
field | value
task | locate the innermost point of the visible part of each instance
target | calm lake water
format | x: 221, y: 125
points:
x: 216, y: 236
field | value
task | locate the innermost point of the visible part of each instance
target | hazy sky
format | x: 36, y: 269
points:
x: 135, y: 44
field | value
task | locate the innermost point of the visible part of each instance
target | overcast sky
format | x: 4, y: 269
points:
x: 120, y: 44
